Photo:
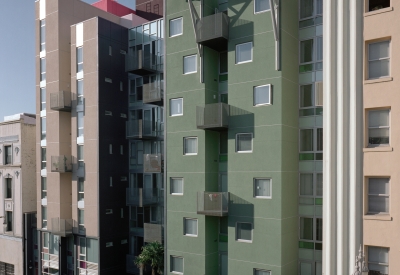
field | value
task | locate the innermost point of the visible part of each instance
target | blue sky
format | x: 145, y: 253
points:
x: 17, y: 56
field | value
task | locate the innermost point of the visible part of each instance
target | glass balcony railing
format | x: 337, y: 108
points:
x: 153, y: 92
x: 213, y: 203
x: 213, y: 116
x: 61, y: 164
x: 60, y: 101
x: 213, y: 31
x: 143, y: 63
x: 61, y: 227
x: 143, y: 196
x: 152, y: 163
x: 144, y: 129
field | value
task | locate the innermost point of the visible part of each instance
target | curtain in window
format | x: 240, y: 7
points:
x: 261, y: 5
x: 378, y: 255
x: 263, y: 187
x: 306, y: 140
x: 175, y: 27
x: 244, y: 231
x: 319, y: 185
x: 92, y: 252
x: 261, y: 95
x: 306, y: 228
x: 190, y: 145
x: 244, y: 142
x: 378, y: 55
x: 306, y: 98
x: 191, y: 226
x: 306, y: 51
x: 176, y: 185
x: 306, y: 8
x: 306, y: 185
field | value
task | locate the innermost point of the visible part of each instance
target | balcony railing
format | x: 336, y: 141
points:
x: 61, y: 227
x: 153, y: 232
x: 143, y: 129
x: 143, y: 196
x: 213, y: 203
x: 61, y: 164
x: 213, y: 116
x: 143, y: 63
x: 213, y: 31
x: 152, y: 163
x: 60, y: 101
x: 153, y: 92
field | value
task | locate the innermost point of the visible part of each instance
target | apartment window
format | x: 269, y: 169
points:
x: 42, y: 35
x: 378, y: 195
x: 7, y: 155
x: 175, y: 27
x: 79, y: 59
x: 8, y: 193
x: 9, y: 218
x: 6, y: 268
x: 244, y: 231
x: 378, y: 260
x: 80, y: 124
x: 378, y: 59
x: 80, y: 156
x: 190, y: 64
x: 310, y: 13
x: 306, y: 228
x: 176, y: 186
x: 176, y: 107
x: 306, y: 140
x: 306, y: 185
x: 262, y: 95
x: 176, y: 264
x: 378, y: 127
x: 110, y: 149
x: 318, y: 230
x: 81, y: 189
x: 43, y: 127
x: 374, y: 5
x: 44, y: 217
x: 262, y: 188
x: 44, y: 161
x: 110, y: 50
x: 261, y: 6
x: 244, y: 142
x: 42, y: 99
x: 81, y: 220
x: 311, y: 99
x: 261, y: 272
x: 190, y: 227
x: 44, y: 187
x: 306, y: 8
x: 42, y: 69
x: 244, y: 52
x: 306, y: 51
x: 190, y: 146
x: 79, y: 92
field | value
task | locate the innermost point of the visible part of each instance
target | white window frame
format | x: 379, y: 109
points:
x: 269, y: 98
x: 263, y: 270
x: 254, y: 188
x: 378, y: 195
x: 175, y: 19
x: 257, y: 12
x: 183, y: 264
x: 178, y: 98
x: 236, y: 51
x: 188, y: 56
x: 170, y: 184
x: 386, y: 58
x: 242, y: 240
x: 184, y: 227
x: 236, y: 143
x: 184, y: 146
x: 379, y: 127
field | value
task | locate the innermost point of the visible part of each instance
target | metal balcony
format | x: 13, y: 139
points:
x: 142, y: 196
x: 213, y: 31
x: 153, y: 232
x: 61, y: 227
x: 152, y: 163
x: 153, y: 92
x: 143, y: 63
x: 143, y: 129
x: 60, y: 101
x: 213, y: 116
x: 213, y: 203
x: 61, y: 164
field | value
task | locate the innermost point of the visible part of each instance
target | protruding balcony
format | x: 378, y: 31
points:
x: 213, y: 31
x: 213, y: 117
x: 143, y: 63
x: 61, y: 227
x: 213, y: 203
x: 153, y: 92
x: 143, y: 129
x: 152, y: 163
x: 61, y: 164
x: 60, y: 101
x: 153, y: 232
x: 143, y: 196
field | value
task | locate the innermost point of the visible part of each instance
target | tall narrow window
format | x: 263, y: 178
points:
x: 8, y: 194
x: 7, y: 155
x: 190, y: 146
x: 244, y: 142
x: 43, y: 127
x: 44, y: 217
x: 42, y: 99
x: 9, y: 218
x: 42, y: 35
x: 306, y: 51
x: 306, y: 185
x: 175, y: 27
x: 306, y: 228
x: 244, y: 52
x: 79, y: 91
x: 81, y: 189
x: 43, y: 149
x: 79, y: 59
x: 190, y: 64
x: 378, y: 260
x: 378, y: 196
x: 44, y: 187
x: 81, y: 220
x: 318, y: 230
x: 320, y: 139
x: 80, y: 156
x: 378, y: 127
x: 306, y: 8
x: 42, y: 69
x: 306, y: 140
x: 379, y: 59
x: 80, y: 124
x: 176, y: 106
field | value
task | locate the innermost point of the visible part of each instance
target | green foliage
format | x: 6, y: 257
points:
x: 152, y: 255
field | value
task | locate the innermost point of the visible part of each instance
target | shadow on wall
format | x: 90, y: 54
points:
x: 242, y: 208
x: 238, y: 118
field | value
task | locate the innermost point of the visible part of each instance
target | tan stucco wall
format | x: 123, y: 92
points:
x: 11, y: 253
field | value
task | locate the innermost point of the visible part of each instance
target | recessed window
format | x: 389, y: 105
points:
x: 79, y: 59
x: 43, y: 128
x: 306, y: 140
x: 79, y: 92
x: 44, y: 187
x: 80, y: 124
x: 375, y: 5
x: 261, y: 272
x: 8, y: 193
x: 244, y: 143
x: 378, y: 260
x: 262, y: 95
x: 261, y: 6
x: 9, y: 221
x: 176, y: 186
x: 44, y: 217
x: 176, y: 264
x: 378, y: 195
x: 244, y: 52
x: 244, y: 231
x: 81, y: 220
x: 378, y: 127
x: 81, y: 189
x: 7, y: 155
x: 262, y: 188
x: 306, y: 228
x: 175, y: 27
x: 190, y: 64
x: 176, y: 107
x: 190, y: 227
x: 378, y: 60
x: 80, y: 156
x: 190, y: 146
x: 43, y: 158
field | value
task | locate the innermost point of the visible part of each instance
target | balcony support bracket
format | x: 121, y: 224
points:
x: 274, y: 4
x: 195, y: 20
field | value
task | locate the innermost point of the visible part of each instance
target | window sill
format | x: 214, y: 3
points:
x: 379, y: 217
x: 370, y: 13
x: 378, y: 80
x: 378, y: 149
x: 244, y: 241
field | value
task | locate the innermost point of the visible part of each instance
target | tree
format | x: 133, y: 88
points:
x: 152, y: 255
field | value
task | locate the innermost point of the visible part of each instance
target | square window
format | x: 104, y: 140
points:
x: 306, y: 228
x: 244, y: 52
x: 262, y: 95
x: 176, y: 186
x: 190, y: 146
x: 262, y: 188
x: 378, y: 127
x: 176, y: 107
x: 190, y: 64
x: 261, y: 6
x: 378, y: 60
x: 244, y: 231
x: 175, y: 27
x: 261, y: 272
x: 176, y: 264
x: 190, y: 227
x: 244, y: 142
x: 378, y: 195
x: 378, y: 260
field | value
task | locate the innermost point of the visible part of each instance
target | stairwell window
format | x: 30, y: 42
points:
x: 80, y: 156
x: 244, y: 53
x: 44, y: 217
x: 43, y: 128
x: 175, y: 27
x: 176, y: 186
x: 81, y: 220
x: 81, y: 189
x: 190, y: 146
x: 42, y: 99
x: 378, y: 260
x: 176, y: 264
x: 262, y: 95
x: 80, y: 124
x: 176, y: 107
x: 44, y: 187
x: 261, y: 6
x: 378, y: 196
x: 79, y: 92
x: 190, y: 64
x: 378, y: 59
x: 44, y: 161
x: 244, y: 143
x: 378, y: 128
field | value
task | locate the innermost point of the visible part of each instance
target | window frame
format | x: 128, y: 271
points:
x: 170, y: 185
x: 42, y: 35
x: 8, y: 155
x: 184, y: 146
x: 189, y: 56
x: 378, y: 263
x: 369, y: 145
x: 43, y: 186
x: 184, y: 227
x: 236, y: 143
x: 255, y: 270
x: 171, y: 266
x: 368, y: 195
x: 175, y: 19
x: 254, y: 188
x: 44, y: 219
x: 79, y: 63
x: 172, y: 99
x: 314, y: 185
x: 386, y: 58
x: 236, y: 52
x: 257, y: 12
x: 237, y: 231
x: 314, y: 228
x: 269, y: 95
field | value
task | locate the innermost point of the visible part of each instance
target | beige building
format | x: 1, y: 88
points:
x: 17, y: 192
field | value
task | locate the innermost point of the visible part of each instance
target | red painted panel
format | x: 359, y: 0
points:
x: 113, y: 7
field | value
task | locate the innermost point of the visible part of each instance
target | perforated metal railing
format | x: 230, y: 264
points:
x: 213, y: 203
